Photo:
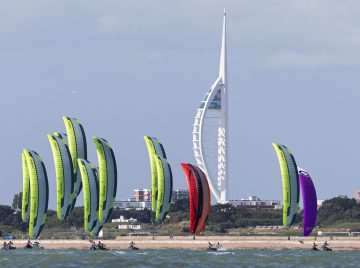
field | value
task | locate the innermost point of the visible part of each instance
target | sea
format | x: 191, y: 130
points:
x: 177, y: 258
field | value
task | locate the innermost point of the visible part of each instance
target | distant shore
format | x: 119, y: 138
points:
x: 227, y: 242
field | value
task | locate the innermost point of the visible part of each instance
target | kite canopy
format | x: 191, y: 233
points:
x: 99, y: 187
x: 206, y: 201
x: 290, y: 184
x: 64, y: 175
x: 309, y: 198
x: 91, y: 194
x: 78, y: 149
x: 161, y: 178
x: 199, y: 197
x: 155, y: 148
x: 25, y: 206
x: 165, y: 186
x: 37, y: 193
x: 107, y: 178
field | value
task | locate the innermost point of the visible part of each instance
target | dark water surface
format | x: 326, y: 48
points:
x: 177, y: 258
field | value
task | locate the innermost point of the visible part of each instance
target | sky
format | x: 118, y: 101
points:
x: 127, y: 69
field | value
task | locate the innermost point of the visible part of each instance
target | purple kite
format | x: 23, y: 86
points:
x: 308, y: 194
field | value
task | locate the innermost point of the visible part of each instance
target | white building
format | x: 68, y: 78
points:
x: 319, y: 203
x: 254, y: 201
x: 142, y: 195
x: 210, y: 130
x: 123, y: 220
x: 142, y: 199
x: 126, y: 205
x: 179, y: 194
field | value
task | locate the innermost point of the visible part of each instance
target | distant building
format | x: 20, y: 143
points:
x: 127, y: 205
x: 179, y: 194
x: 319, y: 203
x: 142, y: 199
x: 123, y: 220
x: 255, y: 202
x: 142, y: 195
x: 357, y: 196
x: 253, y: 198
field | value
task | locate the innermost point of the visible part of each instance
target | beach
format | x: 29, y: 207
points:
x: 201, y: 243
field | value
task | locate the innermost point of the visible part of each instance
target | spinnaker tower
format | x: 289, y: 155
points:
x: 210, y: 130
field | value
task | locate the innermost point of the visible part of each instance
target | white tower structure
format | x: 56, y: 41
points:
x: 210, y: 132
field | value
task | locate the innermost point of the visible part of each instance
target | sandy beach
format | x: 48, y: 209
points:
x: 228, y: 242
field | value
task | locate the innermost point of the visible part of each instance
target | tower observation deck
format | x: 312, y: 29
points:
x: 210, y: 130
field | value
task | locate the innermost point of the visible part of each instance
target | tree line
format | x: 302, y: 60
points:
x: 335, y: 212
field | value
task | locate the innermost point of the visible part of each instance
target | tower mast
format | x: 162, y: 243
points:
x: 223, y: 127
x: 210, y: 133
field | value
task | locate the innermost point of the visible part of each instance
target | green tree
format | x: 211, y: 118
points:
x: 338, y: 210
x: 20, y: 200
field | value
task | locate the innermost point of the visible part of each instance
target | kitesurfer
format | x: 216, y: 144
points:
x: 211, y: 246
x: 93, y: 245
x: 325, y: 246
x: 29, y: 244
x: 11, y: 245
x: 101, y: 246
x: 36, y: 244
x: 8, y: 245
x: 314, y: 247
x: 132, y: 246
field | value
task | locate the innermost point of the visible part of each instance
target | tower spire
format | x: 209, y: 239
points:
x: 223, y: 60
x: 210, y: 141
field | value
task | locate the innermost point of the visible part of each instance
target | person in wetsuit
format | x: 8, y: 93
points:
x: 212, y: 247
x: 325, y: 246
x: 132, y: 246
x: 29, y: 244
x: 11, y: 245
x: 101, y: 245
x: 36, y: 244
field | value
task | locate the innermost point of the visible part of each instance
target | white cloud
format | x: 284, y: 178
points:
x: 108, y: 25
x: 291, y: 59
x: 301, y: 60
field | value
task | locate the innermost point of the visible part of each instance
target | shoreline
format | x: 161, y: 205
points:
x: 186, y: 242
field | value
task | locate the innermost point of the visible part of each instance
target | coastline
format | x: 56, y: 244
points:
x: 186, y: 242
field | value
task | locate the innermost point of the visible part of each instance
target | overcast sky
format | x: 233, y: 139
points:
x: 131, y: 68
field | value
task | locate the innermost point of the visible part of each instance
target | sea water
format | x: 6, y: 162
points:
x: 177, y: 258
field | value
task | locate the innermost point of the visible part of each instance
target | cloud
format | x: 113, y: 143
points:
x: 108, y: 25
x: 291, y: 59
x: 307, y: 60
